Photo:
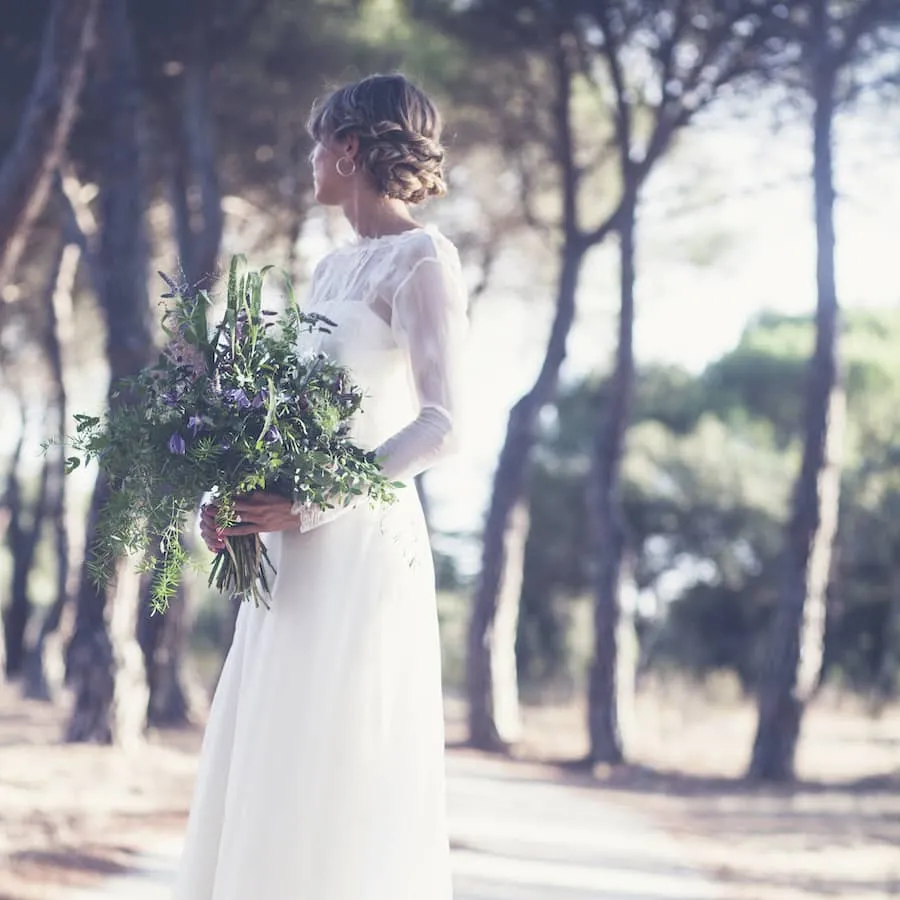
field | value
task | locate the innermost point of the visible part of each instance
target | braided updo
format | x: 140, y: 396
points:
x: 399, y: 133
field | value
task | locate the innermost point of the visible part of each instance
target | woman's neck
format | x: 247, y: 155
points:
x: 377, y: 216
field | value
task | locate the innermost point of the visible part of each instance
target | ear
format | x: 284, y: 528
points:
x: 349, y: 145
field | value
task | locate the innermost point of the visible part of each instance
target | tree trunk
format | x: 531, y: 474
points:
x: 503, y: 540
x: 27, y: 171
x: 607, y: 682
x: 5, y: 518
x: 104, y: 657
x: 494, y: 718
x: 196, y: 192
x: 42, y: 676
x: 4, y: 524
x: 2, y: 646
x: 504, y: 665
x: 25, y: 545
x: 176, y: 697
x: 200, y: 132
x: 887, y: 680
x: 795, y: 650
x: 108, y: 678
x: 14, y: 534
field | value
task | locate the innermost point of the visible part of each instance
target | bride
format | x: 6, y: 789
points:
x: 322, y: 770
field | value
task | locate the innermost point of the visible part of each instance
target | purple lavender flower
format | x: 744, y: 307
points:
x: 240, y: 328
x: 238, y: 396
x: 260, y: 399
x: 177, y: 445
x: 195, y: 423
x: 170, y: 398
x: 186, y: 356
x: 272, y: 435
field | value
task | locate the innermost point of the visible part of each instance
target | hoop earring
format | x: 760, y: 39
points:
x: 341, y: 171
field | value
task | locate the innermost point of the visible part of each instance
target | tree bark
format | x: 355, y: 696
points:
x: 503, y: 540
x: 42, y: 676
x: 27, y: 171
x: 24, y: 542
x: 14, y: 529
x: 176, y: 697
x: 104, y: 658
x: 493, y: 719
x: 795, y: 649
x: 4, y: 524
x: 607, y: 681
x: 200, y: 132
x: 195, y: 187
x: 176, y: 694
x: 2, y: 647
x: 887, y: 679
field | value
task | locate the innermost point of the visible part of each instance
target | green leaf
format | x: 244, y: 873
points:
x: 85, y: 422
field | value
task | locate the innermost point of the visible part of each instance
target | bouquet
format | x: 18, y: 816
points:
x: 233, y: 409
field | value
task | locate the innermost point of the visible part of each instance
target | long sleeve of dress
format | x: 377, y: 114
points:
x: 428, y: 319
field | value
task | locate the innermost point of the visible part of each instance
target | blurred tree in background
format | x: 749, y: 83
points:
x: 707, y: 475
x: 818, y: 45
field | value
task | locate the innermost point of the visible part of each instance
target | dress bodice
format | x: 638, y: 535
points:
x: 399, y: 307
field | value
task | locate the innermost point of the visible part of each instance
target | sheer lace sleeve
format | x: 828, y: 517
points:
x: 428, y: 319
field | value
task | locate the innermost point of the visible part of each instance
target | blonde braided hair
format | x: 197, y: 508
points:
x: 399, y: 132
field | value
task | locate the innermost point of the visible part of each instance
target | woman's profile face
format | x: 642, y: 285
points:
x: 331, y: 188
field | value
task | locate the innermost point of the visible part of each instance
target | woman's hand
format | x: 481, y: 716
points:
x: 212, y: 535
x: 255, y: 513
x: 261, y: 511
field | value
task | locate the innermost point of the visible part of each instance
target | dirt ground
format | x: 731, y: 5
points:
x: 72, y: 814
x: 833, y: 833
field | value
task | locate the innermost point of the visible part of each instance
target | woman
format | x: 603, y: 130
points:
x: 322, y: 771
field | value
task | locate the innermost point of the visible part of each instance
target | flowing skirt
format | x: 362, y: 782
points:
x: 322, y: 770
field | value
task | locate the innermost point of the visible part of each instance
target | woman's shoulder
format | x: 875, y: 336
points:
x: 388, y: 258
x: 427, y: 242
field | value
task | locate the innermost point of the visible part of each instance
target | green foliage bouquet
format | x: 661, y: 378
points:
x: 232, y: 409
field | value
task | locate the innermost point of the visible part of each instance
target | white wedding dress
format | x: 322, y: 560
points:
x: 322, y: 770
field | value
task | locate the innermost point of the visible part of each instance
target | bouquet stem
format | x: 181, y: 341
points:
x: 242, y: 569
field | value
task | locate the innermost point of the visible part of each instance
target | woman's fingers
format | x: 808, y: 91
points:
x: 214, y: 544
x: 211, y: 537
x: 259, y: 501
x: 248, y: 511
x: 209, y: 531
x: 243, y: 528
x: 251, y: 513
x: 242, y: 513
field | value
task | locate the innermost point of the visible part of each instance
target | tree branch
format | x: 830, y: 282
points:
x: 611, y: 51
x: 78, y: 224
x: 606, y: 227
x: 863, y: 21
x: 565, y: 149
x: 27, y: 171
